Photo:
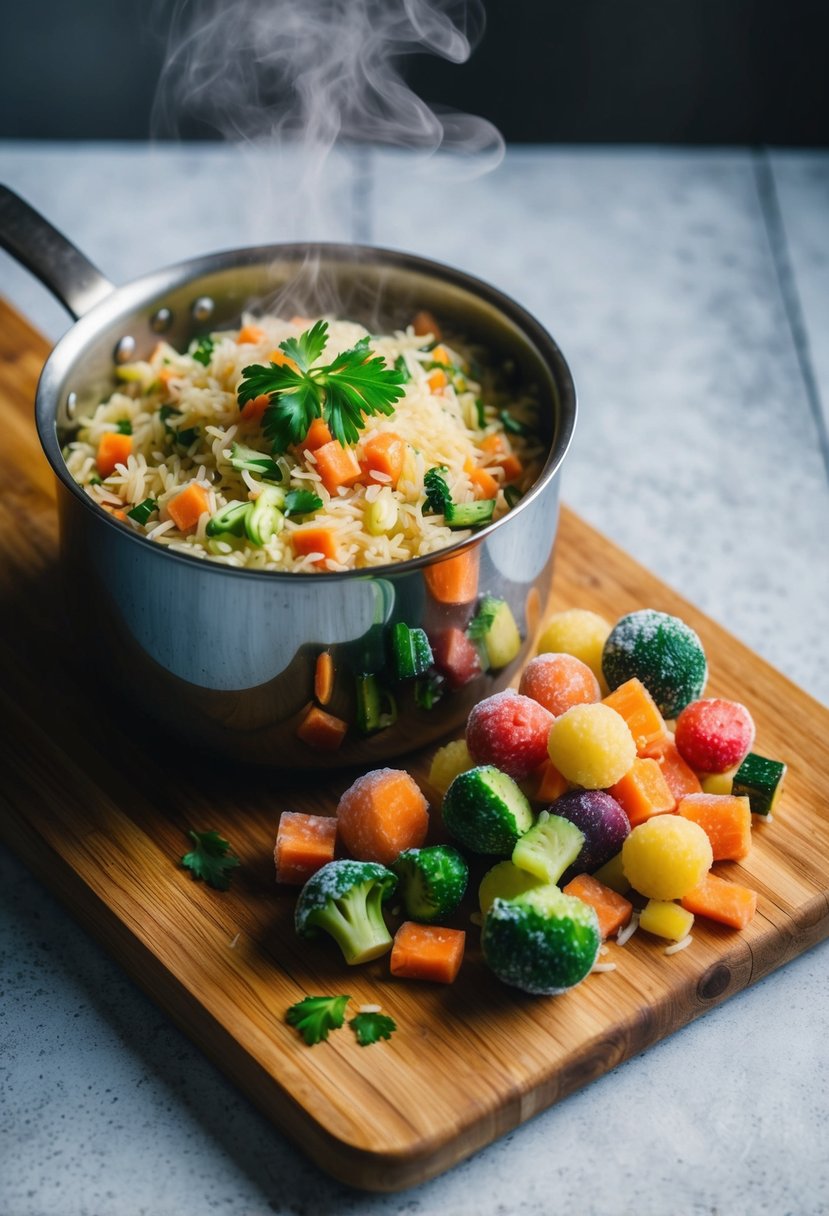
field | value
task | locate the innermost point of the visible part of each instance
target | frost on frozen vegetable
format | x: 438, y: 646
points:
x: 663, y: 652
x: 486, y: 811
x: 542, y: 942
x: 432, y: 881
x: 345, y: 900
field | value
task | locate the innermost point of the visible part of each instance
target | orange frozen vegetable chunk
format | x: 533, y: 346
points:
x: 612, y: 909
x: 638, y: 708
x: 114, y: 448
x: 187, y: 508
x: 304, y: 844
x: 321, y: 730
x: 643, y: 791
x: 726, y: 902
x: 680, y: 778
x: 558, y: 681
x: 546, y: 783
x: 382, y: 814
x: 427, y: 952
x: 725, y: 819
x: 337, y: 466
x: 455, y: 579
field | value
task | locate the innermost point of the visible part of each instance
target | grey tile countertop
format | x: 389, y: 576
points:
x: 690, y: 293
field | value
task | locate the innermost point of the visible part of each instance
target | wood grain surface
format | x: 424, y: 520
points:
x: 98, y: 804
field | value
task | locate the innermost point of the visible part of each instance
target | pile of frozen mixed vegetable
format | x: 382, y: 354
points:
x: 608, y: 789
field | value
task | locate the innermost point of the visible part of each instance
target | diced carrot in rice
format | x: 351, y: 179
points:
x: 114, y: 448
x: 187, y: 508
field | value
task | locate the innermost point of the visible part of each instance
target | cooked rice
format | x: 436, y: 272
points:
x: 439, y: 427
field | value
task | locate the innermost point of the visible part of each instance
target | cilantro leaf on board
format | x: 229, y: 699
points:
x: 314, y: 1016
x: 343, y: 393
x: 211, y: 859
x: 371, y: 1027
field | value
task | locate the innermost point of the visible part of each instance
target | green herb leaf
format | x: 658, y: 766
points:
x: 124, y: 426
x: 400, y: 365
x: 308, y: 347
x: 211, y: 859
x: 370, y: 1027
x: 356, y: 384
x: 437, y: 490
x: 316, y: 1015
x: 301, y: 502
x: 142, y: 511
x: 202, y: 352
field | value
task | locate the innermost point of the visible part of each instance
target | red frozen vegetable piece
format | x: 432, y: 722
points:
x: 509, y: 731
x: 558, y: 681
x: 382, y: 814
x: 713, y: 735
x: 455, y: 657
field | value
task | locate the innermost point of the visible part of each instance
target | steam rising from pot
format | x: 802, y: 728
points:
x: 312, y: 77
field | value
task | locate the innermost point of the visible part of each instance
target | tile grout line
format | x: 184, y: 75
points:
x: 787, y: 281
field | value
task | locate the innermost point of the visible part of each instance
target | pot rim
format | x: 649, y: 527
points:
x: 152, y: 287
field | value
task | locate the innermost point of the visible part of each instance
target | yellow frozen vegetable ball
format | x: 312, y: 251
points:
x: 447, y: 762
x: 591, y: 745
x: 578, y: 632
x: 666, y: 857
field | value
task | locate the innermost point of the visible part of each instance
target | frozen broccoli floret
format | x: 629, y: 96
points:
x: 542, y: 941
x: 432, y: 881
x: 345, y: 899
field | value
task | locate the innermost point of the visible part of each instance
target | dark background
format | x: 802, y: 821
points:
x: 631, y: 71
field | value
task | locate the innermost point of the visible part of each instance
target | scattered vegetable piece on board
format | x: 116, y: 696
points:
x: 381, y: 814
x: 315, y: 1016
x: 371, y: 1027
x: 427, y: 952
x: 611, y: 908
x: 211, y: 859
x: 304, y: 844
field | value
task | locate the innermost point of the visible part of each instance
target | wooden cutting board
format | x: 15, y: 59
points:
x: 98, y: 806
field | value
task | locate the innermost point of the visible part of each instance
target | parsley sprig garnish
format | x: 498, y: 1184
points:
x: 371, y: 1027
x: 356, y: 384
x: 316, y: 1015
x: 211, y: 859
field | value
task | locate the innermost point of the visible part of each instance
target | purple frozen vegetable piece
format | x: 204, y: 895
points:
x: 604, y: 823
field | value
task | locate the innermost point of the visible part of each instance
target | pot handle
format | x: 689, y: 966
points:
x: 34, y: 242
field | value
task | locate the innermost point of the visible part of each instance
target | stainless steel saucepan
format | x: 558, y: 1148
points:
x: 227, y: 656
